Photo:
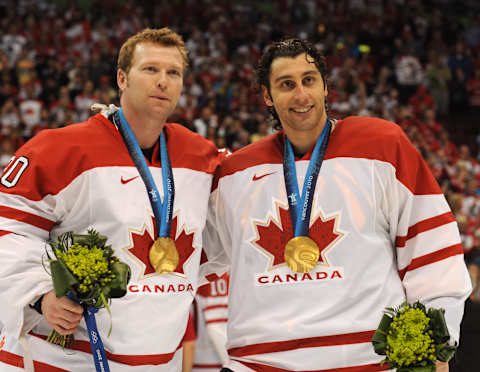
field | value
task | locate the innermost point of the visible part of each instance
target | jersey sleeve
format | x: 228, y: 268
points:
x: 425, y: 235
x: 216, y: 236
x: 212, y: 299
x: 28, y: 211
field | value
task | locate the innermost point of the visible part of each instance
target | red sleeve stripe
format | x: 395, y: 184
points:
x: 29, y: 218
x: 17, y: 361
x: 431, y: 258
x: 211, y: 307
x: 363, y: 368
x: 131, y: 360
x: 219, y: 320
x: 3, y: 232
x: 425, y: 225
x: 272, y: 347
x: 207, y: 366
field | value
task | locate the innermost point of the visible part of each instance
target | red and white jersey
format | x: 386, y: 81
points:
x: 211, y: 315
x: 385, y: 235
x: 82, y: 177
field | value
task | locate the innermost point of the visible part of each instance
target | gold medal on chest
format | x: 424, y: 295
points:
x: 163, y: 255
x: 301, y: 254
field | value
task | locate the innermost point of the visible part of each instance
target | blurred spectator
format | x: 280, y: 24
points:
x: 473, y: 89
x: 85, y: 100
x: 438, y: 76
x: 6, y: 152
x: 207, y: 119
x: 9, y: 117
x: 260, y: 133
x: 460, y: 59
x: 421, y: 101
x: 30, y: 111
x: 409, y: 72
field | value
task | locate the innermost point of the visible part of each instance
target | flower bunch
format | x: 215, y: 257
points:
x: 413, y: 338
x: 85, y: 269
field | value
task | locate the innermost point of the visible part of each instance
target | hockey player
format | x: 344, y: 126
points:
x: 87, y: 176
x: 326, y: 223
x: 211, y: 315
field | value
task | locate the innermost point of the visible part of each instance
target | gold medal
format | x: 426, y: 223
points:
x: 163, y: 255
x: 301, y: 254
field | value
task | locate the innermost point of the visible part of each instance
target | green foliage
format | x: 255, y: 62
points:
x: 413, y: 338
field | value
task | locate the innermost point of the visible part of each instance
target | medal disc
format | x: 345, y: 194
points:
x: 163, y: 255
x: 301, y: 254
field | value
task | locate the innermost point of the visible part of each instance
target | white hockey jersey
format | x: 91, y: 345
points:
x: 211, y: 315
x: 385, y: 234
x: 82, y: 177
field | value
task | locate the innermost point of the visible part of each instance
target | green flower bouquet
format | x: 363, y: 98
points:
x: 413, y: 338
x: 85, y: 269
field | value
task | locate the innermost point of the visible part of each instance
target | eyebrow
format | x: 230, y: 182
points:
x: 156, y: 63
x: 309, y: 72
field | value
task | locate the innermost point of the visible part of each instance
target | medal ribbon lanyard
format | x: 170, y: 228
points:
x: 300, y: 207
x: 162, y: 211
x: 96, y: 345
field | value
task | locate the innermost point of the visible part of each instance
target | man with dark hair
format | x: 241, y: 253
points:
x: 313, y: 268
x: 141, y: 182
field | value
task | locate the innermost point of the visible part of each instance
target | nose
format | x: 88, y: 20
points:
x: 162, y: 80
x: 301, y: 94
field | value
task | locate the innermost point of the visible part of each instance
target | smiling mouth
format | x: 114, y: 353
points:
x: 302, y: 110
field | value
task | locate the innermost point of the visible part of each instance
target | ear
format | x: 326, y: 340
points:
x: 121, y: 79
x: 266, y: 96
x: 326, y: 90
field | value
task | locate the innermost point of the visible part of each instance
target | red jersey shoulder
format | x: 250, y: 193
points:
x: 267, y: 150
x: 365, y: 137
x: 378, y: 139
x: 190, y: 150
x: 57, y: 156
x: 95, y: 142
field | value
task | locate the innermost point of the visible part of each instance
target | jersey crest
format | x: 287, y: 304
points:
x: 273, y: 234
x: 141, y: 241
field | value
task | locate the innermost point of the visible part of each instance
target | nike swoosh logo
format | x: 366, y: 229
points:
x: 256, y: 178
x: 127, y: 180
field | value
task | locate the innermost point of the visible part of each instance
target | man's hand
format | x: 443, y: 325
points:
x: 442, y: 366
x: 62, y: 314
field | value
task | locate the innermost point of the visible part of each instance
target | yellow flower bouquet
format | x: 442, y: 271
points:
x: 413, y: 338
x: 85, y: 270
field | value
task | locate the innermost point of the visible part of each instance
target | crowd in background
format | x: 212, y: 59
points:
x: 413, y: 62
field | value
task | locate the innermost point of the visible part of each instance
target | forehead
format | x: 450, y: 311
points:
x: 155, y: 53
x: 292, y: 66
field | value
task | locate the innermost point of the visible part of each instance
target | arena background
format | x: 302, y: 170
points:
x: 416, y: 63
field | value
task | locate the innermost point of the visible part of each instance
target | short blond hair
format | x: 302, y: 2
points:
x: 162, y: 36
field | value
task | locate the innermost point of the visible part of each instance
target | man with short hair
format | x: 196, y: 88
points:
x: 92, y: 175
x: 325, y: 224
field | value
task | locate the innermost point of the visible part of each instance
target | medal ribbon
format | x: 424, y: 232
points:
x: 98, y: 352
x: 300, y: 207
x: 161, y: 211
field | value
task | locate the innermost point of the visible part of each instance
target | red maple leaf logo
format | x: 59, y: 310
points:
x: 273, y: 237
x: 143, y: 242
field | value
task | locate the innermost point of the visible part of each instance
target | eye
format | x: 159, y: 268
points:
x: 150, y: 69
x: 309, y: 80
x: 174, y: 72
x: 287, y: 84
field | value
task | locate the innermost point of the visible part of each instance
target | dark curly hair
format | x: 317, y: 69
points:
x: 288, y: 48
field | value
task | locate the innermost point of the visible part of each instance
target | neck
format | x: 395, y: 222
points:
x: 303, y: 141
x: 146, y: 129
